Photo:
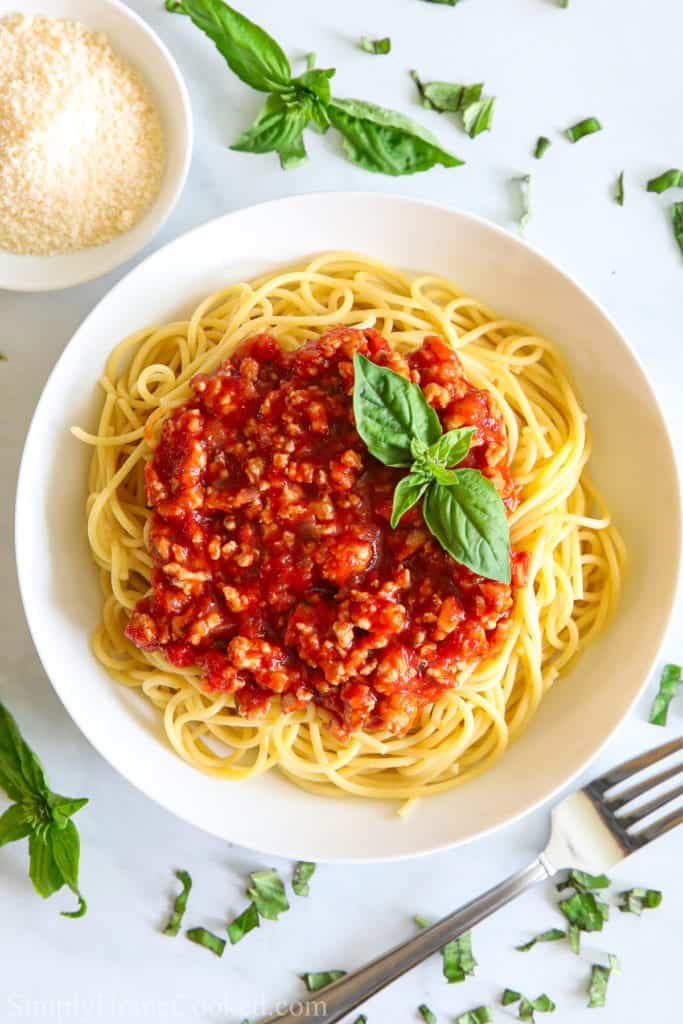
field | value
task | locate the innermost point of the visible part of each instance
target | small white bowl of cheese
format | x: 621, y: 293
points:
x: 95, y: 139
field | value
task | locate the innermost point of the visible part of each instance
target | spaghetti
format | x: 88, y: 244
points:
x: 574, y: 555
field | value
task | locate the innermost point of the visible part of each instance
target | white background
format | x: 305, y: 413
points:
x: 549, y: 68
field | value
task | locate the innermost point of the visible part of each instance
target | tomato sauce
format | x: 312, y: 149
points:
x: 276, y: 569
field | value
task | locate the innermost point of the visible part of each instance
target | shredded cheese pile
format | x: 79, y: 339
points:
x: 81, y: 144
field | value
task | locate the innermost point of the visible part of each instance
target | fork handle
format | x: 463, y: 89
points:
x: 335, y: 1001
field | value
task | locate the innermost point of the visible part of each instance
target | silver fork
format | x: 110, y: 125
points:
x: 591, y: 830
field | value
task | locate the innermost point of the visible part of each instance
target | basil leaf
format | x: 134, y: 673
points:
x: 361, y: 1019
x: 43, y: 871
x: 446, y: 97
x: 452, y: 447
x: 250, y: 52
x: 386, y: 142
x: 525, y: 196
x: 634, y: 901
x: 63, y: 807
x: 575, y: 939
x: 243, y: 924
x: 552, y: 935
x: 294, y: 154
x: 478, y: 117
x: 457, y: 959
x: 677, y: 222
x: 542, y: 146
x: 582, y: 881
x: 315, y: 980
x: 586, y: 127
x: 544, y: 1004
x: 443, y: 476
x: 279, y: 124
x: 180, y: 905
x: 21, y: 773
x: 427, y: 1016
x: 509, y: 996
x: 268, y: 894
x: 584, y: 911
x: 619, y: 189
x: 481, y: 1015
x: 207, y: 939
x: 316, y: 82
x: 669, y: 179
x: 408, y: 492
x: 390, y: 411
x: 597, y: 989
x: 671, y: 677
x: 14, y: 825
x: 469, y: 521
x: 377, y: 46
x: 303, y: 872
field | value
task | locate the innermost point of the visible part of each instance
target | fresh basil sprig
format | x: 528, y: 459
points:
x: 461, y: 506
x: 375, y: 138
x: 39, y: 814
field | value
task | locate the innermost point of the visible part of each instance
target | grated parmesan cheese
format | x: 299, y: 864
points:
x: 81, y: 144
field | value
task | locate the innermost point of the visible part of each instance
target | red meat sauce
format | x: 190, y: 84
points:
x: 276, y: 569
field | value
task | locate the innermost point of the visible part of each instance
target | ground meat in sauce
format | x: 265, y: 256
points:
x: 276, y: 570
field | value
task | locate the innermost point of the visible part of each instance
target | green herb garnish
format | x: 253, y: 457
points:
x: 584, y: 911
x: 677, y: 223
x: 582, y: 881
x: 481, y: 1015
x: 173, y: 926
x: 376, y: 46
x: 361, y: 1019
x: 542, y: 146
x: 552, y: 935
x: 510, y: 996
x: 207, y: 939
x: 542, y: 1004
x: 619, y: 189
x: 303, y: 872
x: 461, y: 507
x: 452, y: 97
x: 316, y: 980
x: 268, y: 894
x: 575, y: 939
x: 669, y: 179
x: 457, y: 960
x: 525, y: 196
x: 420, y: 921
x: 671, y: 677
x: 586, y: 127
x: 634, y: 901
x: 427, y: 1016
x: 448, y: 3
x: 597, y: 988
x: 377, y: 139
x: 39, y: 814
x: 243, y: 924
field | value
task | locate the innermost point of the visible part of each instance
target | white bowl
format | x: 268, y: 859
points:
x: 633, y: 464
x: 132, y: 38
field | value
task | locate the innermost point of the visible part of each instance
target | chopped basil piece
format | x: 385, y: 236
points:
x: 303, y: 872
x: 173, y: 926
x: 268, y: 893
x: 542, y: 146
x: 586, y: 127
x: 582, y: 881
x: 527, y: 1007
x: 421, y: 921
x: 243, y: 924
x: 634, y: 901
x: 597, y: 988
x: 377, y: 46
x: 669, y: 179
x: 478, y: 117
x: 509, y: 996
x: 677, y: 222
x: 362, y: 1019
x: 455, y: 98
x: 575, y: 939
x: 458, y: 961
x: 481, y: 1015
x: 552, y: 935
x: 671, y: 677
x: 427, y: 1016
x: 207, y: 939
x: 585, y: 911
x: 525, y: 195
x: 619, y: 189
x: 316, y: 980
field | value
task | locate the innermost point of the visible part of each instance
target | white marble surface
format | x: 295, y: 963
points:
x: 549, y: 68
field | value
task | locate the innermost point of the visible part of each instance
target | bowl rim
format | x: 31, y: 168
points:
x: 158, y: 214
x: 295, y: 852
